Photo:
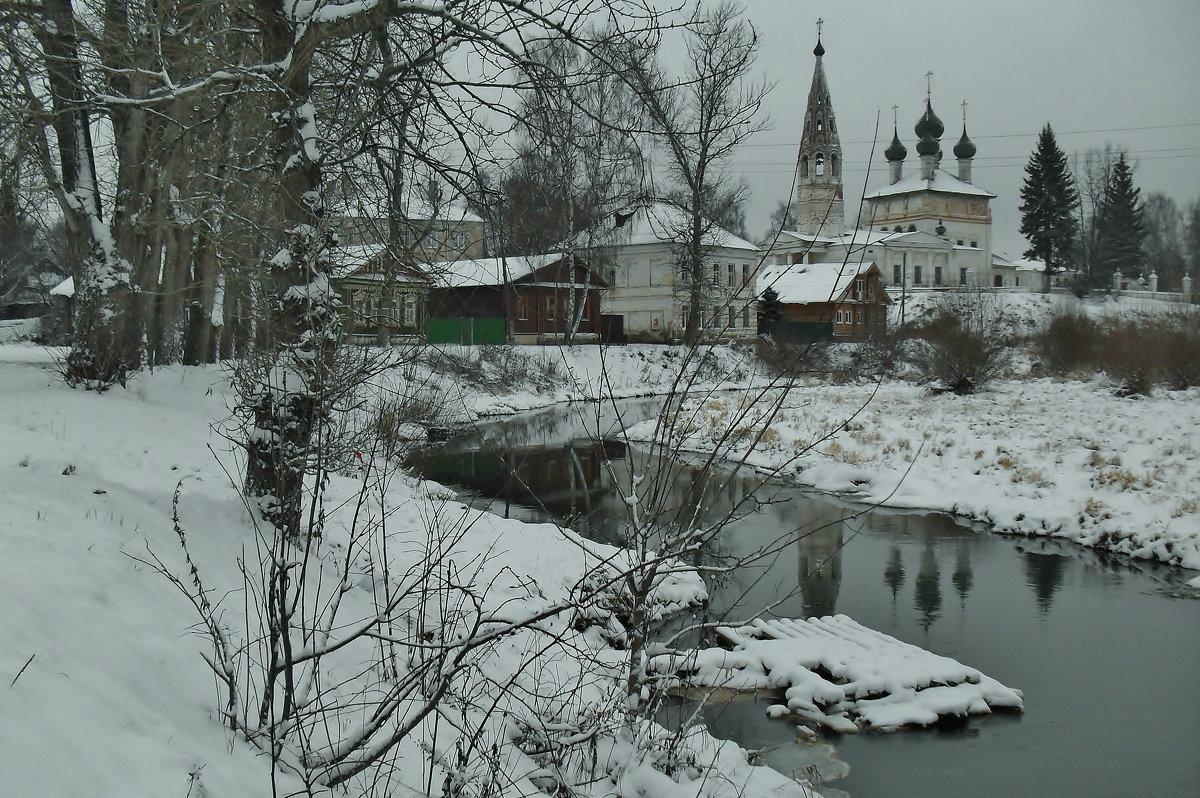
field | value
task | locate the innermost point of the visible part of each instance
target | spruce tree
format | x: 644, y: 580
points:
x: 1049, y: 199
x: 1121, y: 231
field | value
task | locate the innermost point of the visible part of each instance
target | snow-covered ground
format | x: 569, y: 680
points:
x: 1036, y: 457
x: 107, y: 694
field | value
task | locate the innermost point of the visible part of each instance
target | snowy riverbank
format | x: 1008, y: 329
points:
x: 1033, y: 457
x: 103, y: 659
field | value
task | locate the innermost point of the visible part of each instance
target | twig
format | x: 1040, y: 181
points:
x: 23, y: 667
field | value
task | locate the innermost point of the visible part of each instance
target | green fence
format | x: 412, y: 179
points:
x: 465, y: 331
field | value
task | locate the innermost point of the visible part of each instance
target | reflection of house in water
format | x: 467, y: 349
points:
x: 564, y: 480
x: 820, y: 554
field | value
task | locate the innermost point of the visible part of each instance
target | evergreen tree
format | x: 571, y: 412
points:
x: 770, y: 311
x: 1121, y: 228
x: 1049, y: 200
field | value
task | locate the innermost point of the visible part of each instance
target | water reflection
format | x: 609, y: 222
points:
x: 927, y: 596
x: 1044, y: 573
x: 830, y: 558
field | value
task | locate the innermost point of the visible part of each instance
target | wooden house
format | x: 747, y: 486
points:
x: 522, y: 299
x: 364, y: 276
x: 828, y: 300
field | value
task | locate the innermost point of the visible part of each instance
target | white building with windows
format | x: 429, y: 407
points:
x: 638, y: 252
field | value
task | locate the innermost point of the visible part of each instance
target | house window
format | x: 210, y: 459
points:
x: 551, y: 306
x: 746, y: 316
x: 523, y: 308
x: 937, y: 275
x: 587, y: 310
x: 860, y: 317
x: 897, y: 274
x: 999, y: 281
x: 917, y: 275
x: 732, y: 317
x: 716, y: 274
x: 460, y: 241
x: 838, y: 317
x: 732, y: 276
x: 431, y: 240
x: 745, y: 274
x: 962, y: 276
x: 716, y: 316
x: 860, y: 287
x: 410, y: 310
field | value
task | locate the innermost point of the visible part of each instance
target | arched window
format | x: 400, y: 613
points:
x: 835, y: 166
x: 820, y: 162
x: 804, y: 166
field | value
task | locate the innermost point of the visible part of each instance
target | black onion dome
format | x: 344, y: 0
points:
x: 928, y: 145
x: 818, y: 51
x: 896, y: 151
x: 929, y: 122
x: 965, y: 148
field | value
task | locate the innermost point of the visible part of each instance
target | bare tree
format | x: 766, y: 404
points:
x: 699, y: 120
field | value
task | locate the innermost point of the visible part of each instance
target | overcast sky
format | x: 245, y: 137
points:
x: 1097, y: 70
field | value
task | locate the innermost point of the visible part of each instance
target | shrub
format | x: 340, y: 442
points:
x: 1068, y: 343
x: 961, y: 348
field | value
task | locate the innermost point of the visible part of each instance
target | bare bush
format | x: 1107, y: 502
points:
x: 961, y: 345
x: 1068, y: 343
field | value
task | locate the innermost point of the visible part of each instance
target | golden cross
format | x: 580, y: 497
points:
x: 895, y: 114
x: 928, y: 85
x: 964, y: 107
x: 820, y: 22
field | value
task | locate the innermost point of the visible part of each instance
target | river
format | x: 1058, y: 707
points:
x: 1106, y: 649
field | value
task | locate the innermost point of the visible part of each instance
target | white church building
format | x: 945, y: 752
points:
x: 928, y: 228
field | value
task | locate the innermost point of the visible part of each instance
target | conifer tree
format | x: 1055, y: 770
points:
x: 1121, y: 231
x: 1049, y: 199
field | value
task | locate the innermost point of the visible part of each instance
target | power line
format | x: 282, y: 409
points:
x: 1009, y: 135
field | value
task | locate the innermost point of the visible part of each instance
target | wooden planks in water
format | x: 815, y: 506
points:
x: 841, y: 674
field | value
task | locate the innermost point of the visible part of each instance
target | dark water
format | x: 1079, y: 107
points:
x: 1106, y: 650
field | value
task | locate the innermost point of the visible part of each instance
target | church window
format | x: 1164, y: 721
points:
x: 960, y: 242
x: 897, y: 274
x: 804, y: 166
x: 937, y: 275
x: 962, y: 276
x: 974, y: 243
x: 917, y: 275
x: 912, y: 228
x: 835, y: 166
x: 820, y: 163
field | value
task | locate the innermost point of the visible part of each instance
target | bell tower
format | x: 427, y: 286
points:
x: 820, y: 208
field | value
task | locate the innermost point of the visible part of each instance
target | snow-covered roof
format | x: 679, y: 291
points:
x: 65, y: 288
x: 417, y: 209
x: 663, y: 222
x: 942, y: 181
x: 1029, y: 265
x: 476, y: 272
x: 808, y: 283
